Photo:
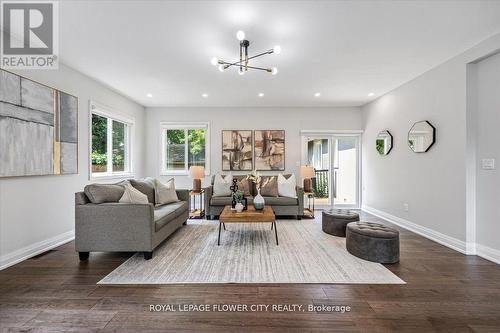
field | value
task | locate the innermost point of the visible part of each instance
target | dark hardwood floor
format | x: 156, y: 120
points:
x: 445, y: 291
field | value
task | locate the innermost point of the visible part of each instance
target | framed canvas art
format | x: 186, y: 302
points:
x: 269, y: 148
x: 237, y: 152
x: 38, y: 128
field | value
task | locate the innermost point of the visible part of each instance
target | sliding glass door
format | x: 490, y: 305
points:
x: 335, y: 158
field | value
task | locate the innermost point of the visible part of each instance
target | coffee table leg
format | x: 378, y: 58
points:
x: 218, y: 240
x: 276, y: 232
x: 272, y: 224
x: 224, y: 225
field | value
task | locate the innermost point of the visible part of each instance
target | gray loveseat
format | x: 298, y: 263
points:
x: 282, y: 206
x: 103, y: 224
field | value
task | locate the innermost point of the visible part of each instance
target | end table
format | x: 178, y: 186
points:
x: 308, y: 212
x: 197, y: 212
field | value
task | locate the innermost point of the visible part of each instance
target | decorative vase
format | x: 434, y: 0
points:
x: 239, y: 207
x: 258, y: 201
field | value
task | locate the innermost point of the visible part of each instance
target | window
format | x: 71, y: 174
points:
x: 184, y: 145
x: 110, y: 135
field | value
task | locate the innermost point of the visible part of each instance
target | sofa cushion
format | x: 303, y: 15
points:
x: 244, y: 186
x: 165, y: 193
x: 281, y: 201
x: 222, y: 185
x: 146, y: 186
x: 286, y: 187
x: 224, y: 201
x: 100, y: 193
x: 269, y: 186
x: 133, y: 195
x: 166, y: 213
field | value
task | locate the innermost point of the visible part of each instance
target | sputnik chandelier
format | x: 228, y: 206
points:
x: 242, y: 64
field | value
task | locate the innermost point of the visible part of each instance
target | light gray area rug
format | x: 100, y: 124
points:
x: 248, y: 254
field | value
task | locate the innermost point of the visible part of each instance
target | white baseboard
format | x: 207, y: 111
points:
x: 488, y: 253
x: 27, y: 252
x: 433, y: 235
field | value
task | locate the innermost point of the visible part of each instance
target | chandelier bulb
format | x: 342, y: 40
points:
x: 240, y: 35
x: 274, y: 71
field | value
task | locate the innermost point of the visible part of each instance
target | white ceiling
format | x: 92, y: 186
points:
x: 344, y: 50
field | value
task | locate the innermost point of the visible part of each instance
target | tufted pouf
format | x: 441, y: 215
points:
x: 373, y: 242
x: 334, y: 221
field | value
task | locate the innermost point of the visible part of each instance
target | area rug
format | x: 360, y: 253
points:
x: 248, y: 254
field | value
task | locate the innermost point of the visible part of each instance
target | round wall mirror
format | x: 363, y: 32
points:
x: 383, y: 143
x: 421, y: 136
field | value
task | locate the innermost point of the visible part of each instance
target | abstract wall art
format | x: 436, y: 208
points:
x: 269, y: 150
x: 38, y: 128
x: 237, y: 153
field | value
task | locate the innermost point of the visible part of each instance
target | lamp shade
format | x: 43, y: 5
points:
x: 307, y: 171
x: 197, y: 172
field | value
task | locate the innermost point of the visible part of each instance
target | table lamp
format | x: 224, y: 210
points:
x: 307, y: 172
x: 197, y: 173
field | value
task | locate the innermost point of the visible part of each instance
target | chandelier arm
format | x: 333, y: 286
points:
x: 250, y: 67
x: 237, y: 63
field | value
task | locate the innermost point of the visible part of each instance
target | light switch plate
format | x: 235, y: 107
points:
x: 488, y: 163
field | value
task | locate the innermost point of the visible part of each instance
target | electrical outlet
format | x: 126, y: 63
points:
x: 406, y: 207
x: 488, y: 164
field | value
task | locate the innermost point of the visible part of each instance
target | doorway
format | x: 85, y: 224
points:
x: 336, y: 162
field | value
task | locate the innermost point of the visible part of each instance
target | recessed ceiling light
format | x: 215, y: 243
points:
x: 204, y: 95
x: 317, y: 94
x: 371, y: 94
x: 261, y: 94
x: 149, y: 95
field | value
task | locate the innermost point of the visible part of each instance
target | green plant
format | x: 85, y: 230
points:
x: 238, y: 196
x: 98, y: 159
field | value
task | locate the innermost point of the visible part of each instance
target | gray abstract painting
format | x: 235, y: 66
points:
x: 38, y: 128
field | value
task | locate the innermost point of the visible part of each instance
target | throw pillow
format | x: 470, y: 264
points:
x: 269, y: 186
x: 165, y: 193
x: 100, y: 193
x: 244, y: 186
x: 134, y: 196
x: 222, y: 185
x: 286, y: 187
x: 146, y: 186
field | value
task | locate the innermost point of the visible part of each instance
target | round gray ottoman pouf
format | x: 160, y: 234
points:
x: 334, y: 221
x: 373, y: 242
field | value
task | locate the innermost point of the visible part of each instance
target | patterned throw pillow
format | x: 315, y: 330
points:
x: 244, y: 186
x: 269, y: 186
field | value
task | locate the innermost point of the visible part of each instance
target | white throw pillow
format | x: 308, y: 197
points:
x: 222, y: 185
x: 286, y: 187
x: 134, y: 196
x: 165, y: 193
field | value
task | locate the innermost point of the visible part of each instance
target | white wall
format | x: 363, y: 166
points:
x: 37, y: 212
x: 488, y: 146
x: 433, y: 184
x: 292, y: 120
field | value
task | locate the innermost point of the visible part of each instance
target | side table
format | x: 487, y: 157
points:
x: 308, y: 211
x: 197, y: 211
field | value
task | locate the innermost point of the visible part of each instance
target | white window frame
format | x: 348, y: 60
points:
x: 183, y: 126
x: 111, y: 114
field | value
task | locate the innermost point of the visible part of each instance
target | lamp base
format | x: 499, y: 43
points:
x: 307, y: 185
x: 196, y: 185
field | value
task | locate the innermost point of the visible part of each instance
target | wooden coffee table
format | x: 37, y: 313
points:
x: 251, y: 215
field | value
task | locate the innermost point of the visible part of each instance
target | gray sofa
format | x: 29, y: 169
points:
x: 104, y: 224
x: 282, y: 206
